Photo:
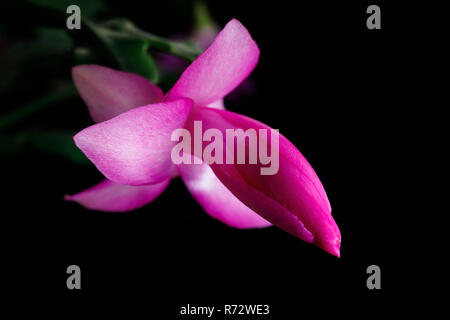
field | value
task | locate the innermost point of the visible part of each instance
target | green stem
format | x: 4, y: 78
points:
x: 176, y: 48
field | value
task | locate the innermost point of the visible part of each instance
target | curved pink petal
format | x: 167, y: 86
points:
x: 216, y: 199
x: 293, y: 198
x: 220, y: 69
x: 134, y: 148
x: 108, y: 92
x: 113, y: 197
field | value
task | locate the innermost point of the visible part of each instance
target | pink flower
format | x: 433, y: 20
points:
x: 130, y: 144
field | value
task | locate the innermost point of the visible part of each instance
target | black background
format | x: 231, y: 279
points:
x: 365, y: 107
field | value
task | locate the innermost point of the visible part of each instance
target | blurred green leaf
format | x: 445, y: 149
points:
x: 45, y: 101
x: 59, y: 143
x: 118, y: 42
x: 89, y: 8
x: 129, y: 52
x: 50, y: 41
x: 44, y: 50
x: 202, y: 17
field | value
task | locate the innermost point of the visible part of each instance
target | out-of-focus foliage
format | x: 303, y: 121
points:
x: 43, y: 48
x: 91, y: 8
x: 44, y: 51
x: 130, y: 53
x: 59, y: 143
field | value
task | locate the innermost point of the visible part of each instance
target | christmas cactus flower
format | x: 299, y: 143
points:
x: 131, y: 144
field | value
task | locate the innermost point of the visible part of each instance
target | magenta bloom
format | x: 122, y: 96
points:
x: 131, y: 145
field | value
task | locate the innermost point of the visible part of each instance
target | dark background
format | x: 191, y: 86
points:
x: 365, y: 107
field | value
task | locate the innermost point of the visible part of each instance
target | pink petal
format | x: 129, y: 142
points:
x: 216, y: 199
x: 220, y: 69
x: 113, y: 197
x: 292, y: 199
x: 109, y: 92
x: 217, y: 105
x: 134, y: 148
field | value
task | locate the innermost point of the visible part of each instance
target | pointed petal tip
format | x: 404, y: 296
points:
x: 75, y: 68
x: 77, y: 72
x: 336, y: 250
x: 79, y: 69
x: 235, y: 23
x: 332, y: 247
x: 108, y: 196
x: 220, y: 68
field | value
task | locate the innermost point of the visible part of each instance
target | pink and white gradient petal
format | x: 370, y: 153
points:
x: 222, y: 67
x: 108, y: 92
x: 216, y: 199
x: 292, y: 199
x: 113, y: 197
x: 134, y: 148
